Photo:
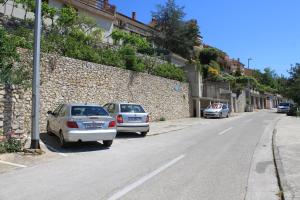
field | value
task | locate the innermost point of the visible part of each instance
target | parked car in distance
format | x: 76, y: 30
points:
x: 216, y: 110
x: 293, y: 110
x: 283, y: 107
x: 81, y: 122
x: 130, y: 117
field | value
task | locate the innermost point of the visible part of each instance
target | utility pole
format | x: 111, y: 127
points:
x: 35, y: 112
x: 248, y: 84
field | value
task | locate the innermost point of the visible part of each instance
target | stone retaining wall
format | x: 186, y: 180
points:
x: 66, y: 80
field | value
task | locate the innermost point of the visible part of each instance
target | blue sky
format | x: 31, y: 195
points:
x: 268, y: 31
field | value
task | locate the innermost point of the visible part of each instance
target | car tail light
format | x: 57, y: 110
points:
x: 147, y: 119
x: 72, y: 124
x: 112, y: 124
x: 120, y: 119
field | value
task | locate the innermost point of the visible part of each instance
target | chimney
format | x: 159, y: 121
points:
x: 133, y: 16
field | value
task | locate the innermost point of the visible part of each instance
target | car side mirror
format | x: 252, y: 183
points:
x: 50, y: 112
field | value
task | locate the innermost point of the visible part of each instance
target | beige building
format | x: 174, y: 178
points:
x: 103, y: 12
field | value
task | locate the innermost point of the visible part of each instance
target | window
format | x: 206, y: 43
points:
x: 63, y: 111
x: 130, y: 108
x: 88, y: 111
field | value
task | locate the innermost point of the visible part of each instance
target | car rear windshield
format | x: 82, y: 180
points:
x: 284, y: 104
x: 129, y: 108
x: 88, y: 111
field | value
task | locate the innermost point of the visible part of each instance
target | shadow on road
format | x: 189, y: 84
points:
x: 124, y: 135
x: 52, y: 144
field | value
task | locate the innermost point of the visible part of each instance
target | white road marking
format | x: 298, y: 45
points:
x: 13, y: 164
x: 55, y: 150
x: 225, y: 131
x: 136, y: 184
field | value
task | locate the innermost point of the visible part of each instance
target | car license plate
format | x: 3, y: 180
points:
x: 94, y: 125
x: 134, y: 118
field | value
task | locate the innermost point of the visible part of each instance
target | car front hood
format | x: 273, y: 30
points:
x: 212, y: 110
x: 283, y: 107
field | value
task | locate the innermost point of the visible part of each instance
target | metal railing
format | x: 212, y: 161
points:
x: 102, y: 5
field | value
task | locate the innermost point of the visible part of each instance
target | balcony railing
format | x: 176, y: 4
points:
x: 101, y: 5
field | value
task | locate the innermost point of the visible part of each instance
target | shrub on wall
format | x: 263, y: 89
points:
x: 170, y: 71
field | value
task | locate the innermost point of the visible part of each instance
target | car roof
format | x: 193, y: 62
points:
x: 82, y: 104
x: 126, y: 103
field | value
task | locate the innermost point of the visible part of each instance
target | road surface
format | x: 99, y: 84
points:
x: 206, y: 161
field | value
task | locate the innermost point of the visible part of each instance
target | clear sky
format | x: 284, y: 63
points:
x: 268, y: 31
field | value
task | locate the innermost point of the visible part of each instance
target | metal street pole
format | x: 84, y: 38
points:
x: 248, y: 84
x: 35, y: 113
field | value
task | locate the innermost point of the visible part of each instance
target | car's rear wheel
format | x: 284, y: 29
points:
x: 62, y: 141
x: 48, y: 129
x: 107, y: 143
x: 143, y: 134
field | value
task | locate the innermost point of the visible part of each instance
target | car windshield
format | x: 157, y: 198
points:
x: 284, y: 104
x: 130, y: 108
x: 88, y: 111
x: 215, y: 106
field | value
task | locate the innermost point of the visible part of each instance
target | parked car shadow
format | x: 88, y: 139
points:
x: 52, y: 144
x: 125, y: 135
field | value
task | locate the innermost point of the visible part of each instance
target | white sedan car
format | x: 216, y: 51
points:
x: 81, y: 122
x: 216, y: 110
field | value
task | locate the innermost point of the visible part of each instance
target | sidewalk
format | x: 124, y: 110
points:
x: 287, y: 156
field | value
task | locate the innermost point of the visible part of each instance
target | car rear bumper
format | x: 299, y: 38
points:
x: 90, y: 135
x: 133, y: 128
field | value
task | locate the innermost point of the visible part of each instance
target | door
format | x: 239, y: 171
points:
x: 53, y: 120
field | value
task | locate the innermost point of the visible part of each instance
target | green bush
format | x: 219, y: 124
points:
x: 11, y: 145
x: 128, y: 53
x: 135, y: 40
x: 162, y: 119
x: 170, y: 71
x: 111, y: 58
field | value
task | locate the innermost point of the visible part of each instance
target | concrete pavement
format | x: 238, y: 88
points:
x: 287, y: 155
x: 202, y: 161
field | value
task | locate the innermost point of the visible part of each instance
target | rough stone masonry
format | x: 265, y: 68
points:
x: 66, y: 80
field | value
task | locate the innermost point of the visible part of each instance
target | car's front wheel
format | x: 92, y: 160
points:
x: 107, y: 143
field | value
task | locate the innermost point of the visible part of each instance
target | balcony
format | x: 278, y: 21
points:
x: 101, y: 5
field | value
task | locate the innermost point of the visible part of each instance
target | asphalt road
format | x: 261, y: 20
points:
x: 207, y: 161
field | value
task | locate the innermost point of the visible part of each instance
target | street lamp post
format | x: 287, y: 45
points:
x: 248, y: 84
x: 249, y: 59
x: 35, y: 113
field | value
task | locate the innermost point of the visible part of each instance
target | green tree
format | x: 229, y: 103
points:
x: 174, y: 33
x: 293, y: 83
x: 9, y: 73
x: 48, y: 12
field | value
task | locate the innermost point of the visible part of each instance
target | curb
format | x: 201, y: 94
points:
x: 278, y: 165
x: 263, y: 185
